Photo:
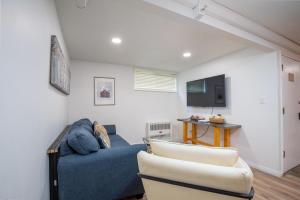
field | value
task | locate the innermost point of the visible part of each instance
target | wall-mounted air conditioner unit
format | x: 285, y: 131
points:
x: 159, y: 130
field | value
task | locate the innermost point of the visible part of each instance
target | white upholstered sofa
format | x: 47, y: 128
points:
x: 177, y: 171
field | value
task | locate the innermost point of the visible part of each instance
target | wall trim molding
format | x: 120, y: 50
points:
x: 277, y: 173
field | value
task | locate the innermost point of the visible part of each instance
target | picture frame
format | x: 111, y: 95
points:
x: 104, y: 91
x: 60, y: 74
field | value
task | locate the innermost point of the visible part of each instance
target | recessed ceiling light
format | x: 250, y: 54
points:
x: 187, y: 54
x: 116, y: 40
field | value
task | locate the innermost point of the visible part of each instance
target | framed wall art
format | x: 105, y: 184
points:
x: 104, y: 91
x: 60, y: 74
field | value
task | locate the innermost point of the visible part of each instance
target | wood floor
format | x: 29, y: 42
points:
x: 295, y: 171
x: 275, y: 188
x: 269, y: 187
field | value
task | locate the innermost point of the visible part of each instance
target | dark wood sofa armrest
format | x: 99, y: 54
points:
x: 54, y: 147
x: 53, y: 153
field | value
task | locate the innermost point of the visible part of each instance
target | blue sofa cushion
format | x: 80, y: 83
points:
x: 111, y: 129
x: 82, y: 141
x: 117, y: 141
x: 104, y: 175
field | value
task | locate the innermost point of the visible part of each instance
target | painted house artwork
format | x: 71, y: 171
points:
x: 104, y: 91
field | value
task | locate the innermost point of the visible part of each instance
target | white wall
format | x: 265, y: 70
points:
x: 0, y: 28
x: 32, y: 113
x: 252, y: 101
x: 133, y: 108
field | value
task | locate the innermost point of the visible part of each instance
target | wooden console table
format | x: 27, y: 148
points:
x: 217, y: 132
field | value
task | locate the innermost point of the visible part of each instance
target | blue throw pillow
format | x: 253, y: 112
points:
x: 85, y: 126
x: 65, y: 149
x: 84, y: 121
x: 82, y: 141
x: 111, y: 129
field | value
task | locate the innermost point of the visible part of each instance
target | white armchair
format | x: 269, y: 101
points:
x: 179, y: 171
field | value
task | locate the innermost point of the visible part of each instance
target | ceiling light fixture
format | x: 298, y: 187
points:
x: 116, y: 40
x: 187, y: 54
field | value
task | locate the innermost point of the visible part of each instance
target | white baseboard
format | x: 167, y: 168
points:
x: 267, y: 170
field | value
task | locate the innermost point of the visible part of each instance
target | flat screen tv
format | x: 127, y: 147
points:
x: 207, y: 92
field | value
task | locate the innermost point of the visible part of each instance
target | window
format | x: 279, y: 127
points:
x: 154, y: 80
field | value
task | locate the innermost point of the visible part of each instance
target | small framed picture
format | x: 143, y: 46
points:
x: 104, y: 91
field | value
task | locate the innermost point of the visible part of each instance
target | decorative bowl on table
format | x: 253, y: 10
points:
x: 218, y: 119
x: 197, y: 117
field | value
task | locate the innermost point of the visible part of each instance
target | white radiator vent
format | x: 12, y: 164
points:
x: 158, y: 129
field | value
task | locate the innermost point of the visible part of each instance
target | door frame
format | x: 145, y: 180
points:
x: 282, y: 135
x: 280, y: 58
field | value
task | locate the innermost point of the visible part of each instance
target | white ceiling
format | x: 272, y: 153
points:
x: 187, y: 3
x: 152, y: 37
x: 280, y: 16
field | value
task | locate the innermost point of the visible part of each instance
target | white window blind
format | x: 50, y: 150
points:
x: 154, y: 80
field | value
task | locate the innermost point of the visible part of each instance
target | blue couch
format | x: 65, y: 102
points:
x: 106, y: 174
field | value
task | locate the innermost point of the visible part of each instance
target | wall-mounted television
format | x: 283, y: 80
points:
x: 207, y: 92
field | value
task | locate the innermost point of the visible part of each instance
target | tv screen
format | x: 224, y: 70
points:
x: 208, y: 92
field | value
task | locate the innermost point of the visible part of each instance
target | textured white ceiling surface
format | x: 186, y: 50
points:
x: 152, y: 37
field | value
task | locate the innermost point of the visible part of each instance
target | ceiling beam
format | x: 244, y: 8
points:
x: 223, y: 18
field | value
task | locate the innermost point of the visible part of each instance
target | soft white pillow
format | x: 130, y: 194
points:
x: 195, y: 153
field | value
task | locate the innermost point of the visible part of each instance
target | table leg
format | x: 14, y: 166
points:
x: 217, y: 137
x: 226, y: 137
x: 194, y: 133
x: 185, y: 132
